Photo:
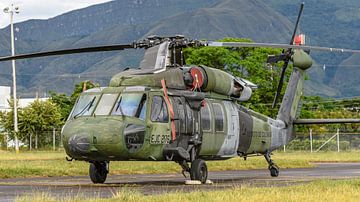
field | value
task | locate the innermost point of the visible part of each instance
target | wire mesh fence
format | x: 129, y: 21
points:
x: 315, y: 141
x: 310, y: 141
x: 43, y: 140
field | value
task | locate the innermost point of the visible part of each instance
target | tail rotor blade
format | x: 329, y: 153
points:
x: 281, y: 82
x: 287, y: 58
x: 297, y: 23
x: 275, y: 58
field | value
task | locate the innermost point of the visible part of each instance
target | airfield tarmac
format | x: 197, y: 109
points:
x: 160, y: 183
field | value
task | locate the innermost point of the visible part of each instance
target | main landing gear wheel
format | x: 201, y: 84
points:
x: 199, y: 170
x: 98, y: 171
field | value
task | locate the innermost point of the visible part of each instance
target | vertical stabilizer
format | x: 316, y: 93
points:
x: 290, y: 103
x: 282, y: 127
x: 291, y: 99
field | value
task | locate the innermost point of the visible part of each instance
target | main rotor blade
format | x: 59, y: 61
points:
x: 69, y: 51
x: 278, y: 45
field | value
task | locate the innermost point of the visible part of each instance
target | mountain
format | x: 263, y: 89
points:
x: 113, y: 22
x: 125, y: 21
x: 333, y: 24
x: 347, y: 76
x: 229, y: 18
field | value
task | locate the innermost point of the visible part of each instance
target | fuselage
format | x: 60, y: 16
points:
x: 179, y: 114
x: 134, y: 123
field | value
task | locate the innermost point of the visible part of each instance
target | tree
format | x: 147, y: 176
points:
x: 63, y: 102
x: 38, y: 117
x: 7, y: 119
x: 80, y: 87
x: 248, y: 63
x: 315, y: 107
x: 42, y: 116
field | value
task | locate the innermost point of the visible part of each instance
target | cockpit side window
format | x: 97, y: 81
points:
x: 141, y: 111
x: 85, y: 105
x: 105, y: 104
x: 131, y: 104
x: 159, y: 111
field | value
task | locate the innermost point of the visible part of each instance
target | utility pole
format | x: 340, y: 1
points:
x: 11, y: 10
x: 311, y: 141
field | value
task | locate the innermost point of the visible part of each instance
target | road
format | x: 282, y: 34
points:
x: 159, y: 183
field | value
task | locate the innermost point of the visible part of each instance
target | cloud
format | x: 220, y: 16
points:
x: 42, y: 9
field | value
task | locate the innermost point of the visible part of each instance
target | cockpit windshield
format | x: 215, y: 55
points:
x: 85, y: 105
x: 131, y: 104
x: 105, y: 104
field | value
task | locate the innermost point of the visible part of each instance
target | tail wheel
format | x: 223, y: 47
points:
x: 199, y: 170
x: 274, y: 171
x: 98, y: 172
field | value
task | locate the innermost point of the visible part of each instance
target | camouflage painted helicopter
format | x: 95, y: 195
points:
x: 169, y: 111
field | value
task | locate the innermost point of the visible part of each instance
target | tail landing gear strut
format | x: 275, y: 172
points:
x: 274, y: 169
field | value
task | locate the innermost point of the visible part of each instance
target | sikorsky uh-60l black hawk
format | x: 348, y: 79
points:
x: 167, y: 110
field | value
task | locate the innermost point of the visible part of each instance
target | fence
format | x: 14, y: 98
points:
x: 312, y: 141
x: 315, y: 141
x: 41, y: 140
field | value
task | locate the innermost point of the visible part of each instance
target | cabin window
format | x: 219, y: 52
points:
x: 219, y: 117
x: 179, y: 115
x: 106, y: 103
x: 85, y: 105
x: 205, y: 118
x: 189, y: 120
x: 131, y: 104
x: 159, y: 111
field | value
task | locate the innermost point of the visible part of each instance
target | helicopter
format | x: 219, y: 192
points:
x: 167, y: 110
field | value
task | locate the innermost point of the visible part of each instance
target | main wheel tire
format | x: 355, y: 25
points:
x: 199, y: 170
x: 98, y: 172
x: 274, y: 171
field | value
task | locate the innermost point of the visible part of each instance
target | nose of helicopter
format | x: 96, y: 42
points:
x: 84, y: 138
x: 79, y: 144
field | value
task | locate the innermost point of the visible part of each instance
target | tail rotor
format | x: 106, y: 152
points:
x: 285, y: 56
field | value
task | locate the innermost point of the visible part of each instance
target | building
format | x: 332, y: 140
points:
x: 5, y: 96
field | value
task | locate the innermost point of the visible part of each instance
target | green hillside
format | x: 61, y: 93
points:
x: 126, y: 21
x: 334, y: 24
x: 325, y: 22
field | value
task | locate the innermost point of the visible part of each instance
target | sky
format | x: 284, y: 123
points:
x: 41, y: 9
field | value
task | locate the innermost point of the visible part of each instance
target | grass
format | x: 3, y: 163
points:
x: 50, y: 164
x: 324, y: 190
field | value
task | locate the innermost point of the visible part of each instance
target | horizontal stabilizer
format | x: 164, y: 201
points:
x: 325, y: 121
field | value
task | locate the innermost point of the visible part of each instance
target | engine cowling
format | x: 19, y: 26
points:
x: 210, y: 79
